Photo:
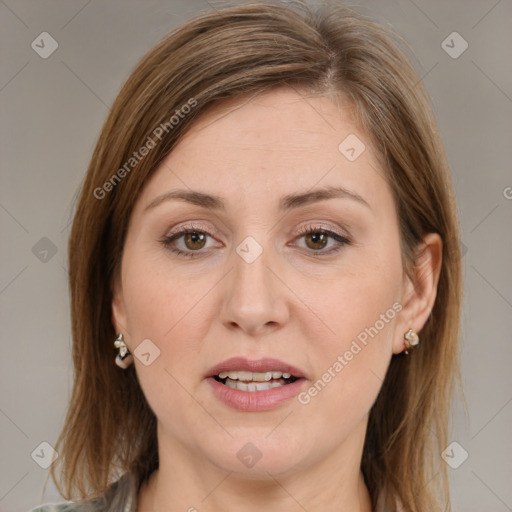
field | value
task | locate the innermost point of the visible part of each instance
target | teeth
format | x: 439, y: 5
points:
x: 254, y: 376
x: 241, y: 375
x: 253, y: 386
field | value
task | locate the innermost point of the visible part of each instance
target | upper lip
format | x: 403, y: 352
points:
x: 255, y: 365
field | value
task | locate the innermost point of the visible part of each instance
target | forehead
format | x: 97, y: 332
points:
x: 277, y: 120
x: 277, y: 141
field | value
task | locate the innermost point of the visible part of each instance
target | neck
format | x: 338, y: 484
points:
x: 186, y: 482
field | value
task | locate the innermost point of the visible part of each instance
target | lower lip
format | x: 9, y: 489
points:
x: 255, y: 401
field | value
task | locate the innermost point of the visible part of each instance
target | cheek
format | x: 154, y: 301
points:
x: 352, y: 361
x: 169, y: 311
x: 160, y: 302
x: 361, y: 310
x: 169, y: 308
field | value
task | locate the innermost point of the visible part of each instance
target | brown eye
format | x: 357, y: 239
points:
x: 187, y: 242
x: 316, y: 240
x: 194, y: 240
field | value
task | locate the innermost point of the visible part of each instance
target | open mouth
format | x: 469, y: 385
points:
x: 254, y: 381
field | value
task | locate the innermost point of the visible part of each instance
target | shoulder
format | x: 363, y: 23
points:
x: 119, y: 497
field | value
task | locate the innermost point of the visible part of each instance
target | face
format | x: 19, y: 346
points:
x: 267, y: 313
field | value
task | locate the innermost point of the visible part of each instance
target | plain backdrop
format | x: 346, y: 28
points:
x: 51, y: 113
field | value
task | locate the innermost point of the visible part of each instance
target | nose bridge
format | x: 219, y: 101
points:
x: 254, y: 296
x: 251, y: 276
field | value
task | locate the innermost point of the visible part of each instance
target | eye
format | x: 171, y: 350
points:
x: 194, y: 239
x: 317, y: 238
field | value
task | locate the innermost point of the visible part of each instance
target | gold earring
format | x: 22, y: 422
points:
x: 411, y: 340
x: 124, y: 358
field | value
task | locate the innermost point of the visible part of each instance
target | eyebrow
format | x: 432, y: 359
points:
x: 286, y: 203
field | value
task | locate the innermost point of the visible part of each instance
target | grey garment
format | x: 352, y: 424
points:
x: 121, y: 496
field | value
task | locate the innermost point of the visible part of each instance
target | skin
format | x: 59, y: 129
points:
x: 291, y: 303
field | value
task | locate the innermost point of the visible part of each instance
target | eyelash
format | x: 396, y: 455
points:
x: 167, y: 240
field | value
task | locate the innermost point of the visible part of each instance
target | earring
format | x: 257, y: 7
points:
x: 124, y: 358
x: 411, y: 340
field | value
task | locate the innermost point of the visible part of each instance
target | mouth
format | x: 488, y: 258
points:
x: 255, y: 385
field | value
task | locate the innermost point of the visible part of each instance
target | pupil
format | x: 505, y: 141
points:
x: 195, y: 238
x: 318, y: 238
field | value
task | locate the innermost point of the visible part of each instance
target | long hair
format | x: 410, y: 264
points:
x: 246, y: 49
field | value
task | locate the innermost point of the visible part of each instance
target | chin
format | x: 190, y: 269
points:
x: 254, y: 455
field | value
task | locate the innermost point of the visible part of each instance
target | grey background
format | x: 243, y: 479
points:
x: 51, y: 113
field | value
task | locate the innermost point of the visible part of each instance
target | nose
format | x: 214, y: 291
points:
x: 255, y: 299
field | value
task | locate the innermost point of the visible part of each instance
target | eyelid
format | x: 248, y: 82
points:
x: 316, y: 225
x: 192, y: 226
x: 305, y: 228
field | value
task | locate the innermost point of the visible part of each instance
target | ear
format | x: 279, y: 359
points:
x: 118, y: 310
x: 419, y: 292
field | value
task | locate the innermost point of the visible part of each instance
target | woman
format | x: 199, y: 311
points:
x: 266, y: 244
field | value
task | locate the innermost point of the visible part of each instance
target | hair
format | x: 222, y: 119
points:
x: 225, y: 54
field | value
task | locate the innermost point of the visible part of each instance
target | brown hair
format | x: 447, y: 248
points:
x: 109, y: 428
